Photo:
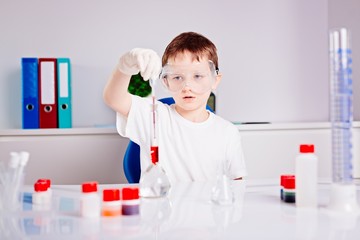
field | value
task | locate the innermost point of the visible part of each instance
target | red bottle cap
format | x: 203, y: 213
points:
x: 306, y: 148
x: 111, y: 195
x: 88, y: 187
x: 289, y: 182
x: 283, y: 177
x: 46, y: 180
x: 129, y: 193
x: 40, y: 187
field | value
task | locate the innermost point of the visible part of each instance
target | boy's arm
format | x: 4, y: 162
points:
x: 116, y: 94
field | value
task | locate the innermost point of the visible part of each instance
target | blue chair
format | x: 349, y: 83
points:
x: 131, y: 161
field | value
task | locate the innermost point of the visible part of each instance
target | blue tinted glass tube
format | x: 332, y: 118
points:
x: 341, y: 105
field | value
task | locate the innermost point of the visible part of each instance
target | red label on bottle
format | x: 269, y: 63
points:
x: 154, y: 154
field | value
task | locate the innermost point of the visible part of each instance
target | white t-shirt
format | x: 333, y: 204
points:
x: 188, y: 151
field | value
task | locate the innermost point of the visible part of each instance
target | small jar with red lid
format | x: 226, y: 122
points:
x: 288, y: 183
x: 111, y: 204
x: 284, y: 178
x: 90, y: 203
x: 48, y: 183
x: 41, y: 199
x: 130, y: 201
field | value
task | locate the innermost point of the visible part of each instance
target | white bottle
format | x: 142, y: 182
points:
x: 41, y: 198
x: 48, y: 183
x: 306, y: 172
x: 90, y: 203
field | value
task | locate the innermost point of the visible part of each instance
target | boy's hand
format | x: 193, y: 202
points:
x: 145, y: 61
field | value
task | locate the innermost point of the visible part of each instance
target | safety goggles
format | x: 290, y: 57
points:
x: 199, y: 77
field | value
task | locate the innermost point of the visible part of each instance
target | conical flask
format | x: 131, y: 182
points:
x: 222, y: 192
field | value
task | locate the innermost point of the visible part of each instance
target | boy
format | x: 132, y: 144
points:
x: 194, y: 144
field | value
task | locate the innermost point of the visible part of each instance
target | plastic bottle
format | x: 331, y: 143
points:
x: 90, y: 204
x: 130, y: 201
x: 111, y: 205
x: 306, y: 172
x: 41, y: 198
x: 48, y: 183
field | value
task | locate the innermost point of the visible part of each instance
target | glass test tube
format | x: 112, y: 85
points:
x: 154, y: 132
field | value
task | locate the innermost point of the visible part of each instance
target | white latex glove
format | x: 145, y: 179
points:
x: 145, y: 61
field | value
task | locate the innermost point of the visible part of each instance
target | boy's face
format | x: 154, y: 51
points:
x: 190, y: 81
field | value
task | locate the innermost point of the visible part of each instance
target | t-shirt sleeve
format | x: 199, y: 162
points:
x: 236, y: 156
x: 136, y: 125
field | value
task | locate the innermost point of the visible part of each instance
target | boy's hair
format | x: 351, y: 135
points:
x: 194, y: 43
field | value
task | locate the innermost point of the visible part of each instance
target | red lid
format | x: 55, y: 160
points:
x: 283, y: 177
x: 111, y: 195
x: 46, y: 180
x: 40, y: 187
x: 289, y: 182
x: 306, y: 148
x: 129, y: 193
x: 89, y: 187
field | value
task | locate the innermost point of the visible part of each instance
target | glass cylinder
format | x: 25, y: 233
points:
x: 341, y: 105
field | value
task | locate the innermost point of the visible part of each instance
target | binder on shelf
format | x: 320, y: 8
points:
x: 64, y: 93
x: 48, y: 93
x: 30, y: 98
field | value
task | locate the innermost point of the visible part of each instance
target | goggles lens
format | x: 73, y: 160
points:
x: 198, y: 77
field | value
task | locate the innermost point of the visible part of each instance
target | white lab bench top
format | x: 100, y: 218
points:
x: 187, y: 213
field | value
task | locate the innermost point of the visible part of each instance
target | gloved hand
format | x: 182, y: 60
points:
x: 145, y: 61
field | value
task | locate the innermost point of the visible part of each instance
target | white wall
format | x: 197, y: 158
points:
x: 346, y: 13
x: 273, y: 54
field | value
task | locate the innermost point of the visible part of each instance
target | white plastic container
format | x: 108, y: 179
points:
x: 111, y: 205
x: 130, y: 201
x: 48, y: 183
x: 41, y: 199
x: 90, y: 205
x: 306, y: 172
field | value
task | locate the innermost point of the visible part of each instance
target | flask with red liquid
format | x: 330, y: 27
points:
x: 154, y: 181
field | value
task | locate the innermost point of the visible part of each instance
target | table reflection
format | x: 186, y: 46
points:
x: 187, y: 213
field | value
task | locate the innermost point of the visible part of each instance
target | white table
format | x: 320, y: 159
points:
x: 187, y: 213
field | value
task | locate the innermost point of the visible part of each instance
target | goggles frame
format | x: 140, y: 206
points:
x: 166, y: 81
